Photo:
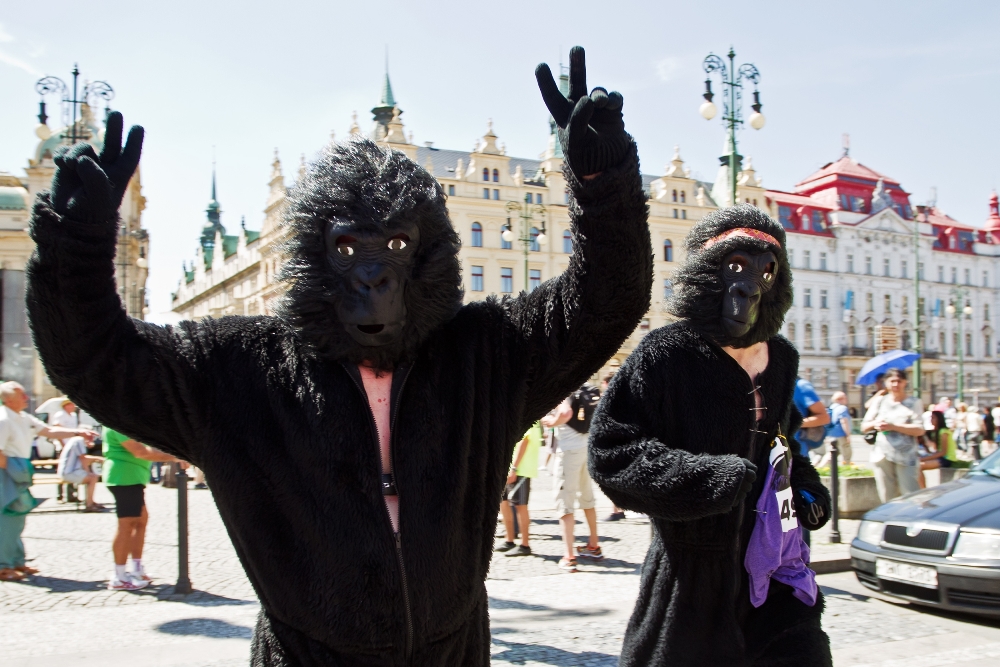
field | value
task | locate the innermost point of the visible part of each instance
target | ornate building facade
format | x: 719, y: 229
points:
x: 18, y: 360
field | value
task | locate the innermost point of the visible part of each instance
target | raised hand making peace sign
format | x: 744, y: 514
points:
x: 90, y: 188
x: 591, y: 129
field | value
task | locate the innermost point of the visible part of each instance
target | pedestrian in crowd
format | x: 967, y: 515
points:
x: 974, y: 430
x: 989, y: 427
x: 897, y: 419
x: 814, y: 420
x: 126, y: 474
x: 572, y: 479
x: 74, y: 468
x: 839, y: 434
x: 940, y: 437
x: 617, y: 513
x: 67, y: 416
x: 995, y: 413
x: 518, y: 490
x: 946, y: 406
x: 959, y: 426
x: 17, y: 430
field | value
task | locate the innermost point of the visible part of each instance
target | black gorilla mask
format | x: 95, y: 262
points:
x: 372, y: 258
x: 734, y: 285
x: 377, y: 267
x: 747, y: 276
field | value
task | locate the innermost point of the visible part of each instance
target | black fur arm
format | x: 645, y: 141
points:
x: 644, y: 474
x: 574, y: 323
x: 130, y: 375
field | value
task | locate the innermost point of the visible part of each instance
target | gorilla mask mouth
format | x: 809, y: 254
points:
x: 371, y: 328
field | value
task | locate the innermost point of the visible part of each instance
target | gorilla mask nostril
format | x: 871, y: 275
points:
x: 371, y: 328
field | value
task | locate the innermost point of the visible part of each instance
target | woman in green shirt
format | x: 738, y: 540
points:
x: 943, y: 455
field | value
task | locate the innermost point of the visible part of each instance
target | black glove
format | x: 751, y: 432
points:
x: 591, y: 129
x: 90, y: 188
x: 749, y: 476
x: 812, y: 510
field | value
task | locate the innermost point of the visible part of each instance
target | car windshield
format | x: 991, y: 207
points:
x: 990, y: 465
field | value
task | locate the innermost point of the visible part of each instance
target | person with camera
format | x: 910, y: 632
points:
x: 897, y: 422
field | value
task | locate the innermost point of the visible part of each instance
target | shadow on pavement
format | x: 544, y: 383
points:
x: 518, y: 654
x: 58, y: 585
x: 205, y: 627
x: 199, y: 598
x: 550, y: 612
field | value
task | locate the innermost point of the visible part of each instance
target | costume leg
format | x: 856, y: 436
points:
x: 11, y: 546
x: 785, y: 632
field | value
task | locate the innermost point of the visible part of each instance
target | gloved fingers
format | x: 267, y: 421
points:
x: 82, y: 149
x: 112, y: 138
x: 556, y: 102
x: 600, y: 97
x: 96, y: 183
x: 130, y: 156
x: 577, y: 73
x: 580, y: 119
x: 615, y: 101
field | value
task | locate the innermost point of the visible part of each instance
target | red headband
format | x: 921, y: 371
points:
x: 742, y: 231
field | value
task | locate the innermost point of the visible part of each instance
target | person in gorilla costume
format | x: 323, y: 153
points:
x: 357, y: 445
x: 685, y: 432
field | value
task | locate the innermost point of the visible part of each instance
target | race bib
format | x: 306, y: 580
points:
x: 789, y: 520
x: 780, y: 460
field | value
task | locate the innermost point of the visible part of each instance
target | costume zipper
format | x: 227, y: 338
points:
x: 396, y: 541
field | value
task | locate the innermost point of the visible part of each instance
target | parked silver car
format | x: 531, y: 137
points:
x: 939, y: 546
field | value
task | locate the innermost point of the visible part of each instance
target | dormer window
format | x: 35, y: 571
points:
x: 486, y: 174
x: 496, y: 175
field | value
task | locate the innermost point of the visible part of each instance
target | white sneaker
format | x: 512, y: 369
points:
x: 140, y: 576
x: 129, y: 584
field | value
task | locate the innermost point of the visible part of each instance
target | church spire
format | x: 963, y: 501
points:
x: 213, y: 215
x: 384, y: 112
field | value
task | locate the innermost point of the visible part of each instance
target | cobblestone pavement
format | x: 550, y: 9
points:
x: 540, y: 615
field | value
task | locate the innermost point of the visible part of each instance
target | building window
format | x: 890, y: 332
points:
x: 534, y: 279
x: 888, y: 303
x: 905, y: 340
x: 822, y: 261
x: 504, y: 244
x: 968, y: 276
x: 986, y: 278
x: 674, y: 196
x: 824, y: 337
x: 818, y: 221
x: 906, y: 305
x: 791, y: 258
x: 477, y: 235
x: 986, y: 312
x: 902, y: 269
x: 922, y: 306
x: 496, y: 175
x: 785, y: 217
x: 668, y: 288
x: 940, y: 274
x: 885, y: 267
x: 809, y: 336
x: 486, y: 193
x: 986, y: 348
x: 791, y: 332
x: 806, y: 259
x: 823, y: 299
x: 506, y: 280
x: 954, y: 275
x: 477, y: 279
x: 852, y: 336
x: 567, y: 242
x: 968, y: 345
x: 868, y: 266
x: 538, y: 197
x: 807, y: 298
x: 684, y: 214
x: 451, y: 190
x: 920, y: 270
x: 869, y: 303
x: 850, y: 263
x: 486, y: 174
x: 941, y: 343
x: 535, y: 245
x: 496, y: 194
x: 677, y: 213
x: 668, y: 251
x: 683, y: 199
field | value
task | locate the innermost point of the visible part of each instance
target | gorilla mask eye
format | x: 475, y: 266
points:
x: 735, y: 267
x: 398, y: 242
x: 344, y: 246
x: 769, y: 272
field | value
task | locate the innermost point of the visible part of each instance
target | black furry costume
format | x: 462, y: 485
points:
x: 272, y: 410
x: 667, y: 440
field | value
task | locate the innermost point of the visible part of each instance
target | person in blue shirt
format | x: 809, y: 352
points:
x: 840, y: 429
x: 813, y: 413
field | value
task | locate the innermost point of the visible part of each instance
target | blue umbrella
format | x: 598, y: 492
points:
x: 883, y: 362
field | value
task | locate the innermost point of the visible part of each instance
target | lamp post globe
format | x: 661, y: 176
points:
x: 707, y: 110
x: 507, y: 235
x: 757, y: 120
x: 967, y: 310
x: 542, y: 238
x: 950, y: 309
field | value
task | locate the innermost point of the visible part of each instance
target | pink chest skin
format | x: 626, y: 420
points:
x: 379, y: 390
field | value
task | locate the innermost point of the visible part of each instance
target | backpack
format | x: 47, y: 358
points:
x: 583, y: 402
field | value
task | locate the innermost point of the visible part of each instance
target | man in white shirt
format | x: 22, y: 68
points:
x: 68, y: 416
x: 74, y: 468
x: 17, y: 431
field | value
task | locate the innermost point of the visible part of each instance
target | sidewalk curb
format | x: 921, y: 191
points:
x: 831, y: 566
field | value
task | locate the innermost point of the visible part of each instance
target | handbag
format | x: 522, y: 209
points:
x: 871, y: 435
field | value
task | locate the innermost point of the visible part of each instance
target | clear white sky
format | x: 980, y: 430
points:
x: 914, y: 83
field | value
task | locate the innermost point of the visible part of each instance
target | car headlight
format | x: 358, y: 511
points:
x: 871, y: 531
x: 977, y: 545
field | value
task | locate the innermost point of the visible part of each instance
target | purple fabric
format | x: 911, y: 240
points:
x: 776, y: 548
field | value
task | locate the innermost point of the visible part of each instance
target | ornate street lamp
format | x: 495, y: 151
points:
x: 71, y: 101
x: 959, y: 294
x: 526, y: 211
x: 732, y: 105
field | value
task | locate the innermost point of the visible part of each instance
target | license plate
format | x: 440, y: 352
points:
x: 911, y: 574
